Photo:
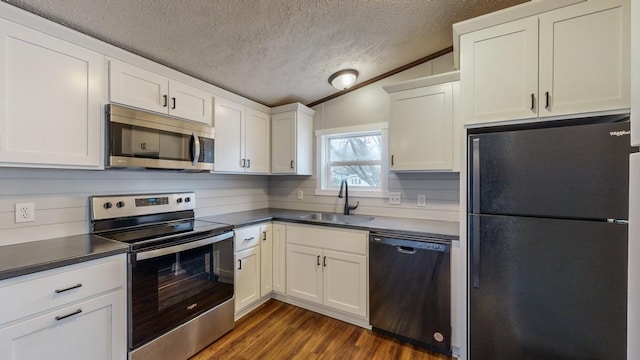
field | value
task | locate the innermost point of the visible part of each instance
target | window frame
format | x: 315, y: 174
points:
x: 322, y: 156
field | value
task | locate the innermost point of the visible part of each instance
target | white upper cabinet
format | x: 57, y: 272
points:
x: 50, y: 101
x: 422, y: 126
x: 257, y: 141
x: 292, y: 140
x: 133, y: 86
x: 242, y: 143
x: 567, y: 61
x: 499, y: 72
x: 584, y: 58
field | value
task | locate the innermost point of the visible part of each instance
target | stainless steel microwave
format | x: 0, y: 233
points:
x: 137, y: 138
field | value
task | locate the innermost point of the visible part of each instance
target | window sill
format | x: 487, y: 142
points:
x: 354, y: 193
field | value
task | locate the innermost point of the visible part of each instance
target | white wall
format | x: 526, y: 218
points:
x: 370, y: 104
x: 61, y: 196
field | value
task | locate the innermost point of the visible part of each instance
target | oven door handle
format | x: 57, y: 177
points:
x: 143, y: 255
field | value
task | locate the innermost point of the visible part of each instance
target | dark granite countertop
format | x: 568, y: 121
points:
x: 35, y: 256
x: 443, y: 230
x: 31, y: 257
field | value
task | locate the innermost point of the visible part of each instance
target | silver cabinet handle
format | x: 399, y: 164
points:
x: 196, y: 149
x: 239, y: 264
x: 318, y: 262
x: 174, y: 103
x: 292, y: 164
x: 244, y: 163
x: 264, y: 236
x: 58, y: 318
x: 391, y: 160
x: 249, y: 239
x: 58, y: 291
x: 165, y: 100
x: 248, y: 163
x: 324, y: 261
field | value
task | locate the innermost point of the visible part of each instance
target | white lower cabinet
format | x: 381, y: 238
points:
x: 85, y: 330
x: 279, y: 258
x: 247, y: 266
x: 247, y: 277
x: 266, y: 260
x: 74, y: 312
x: 328, y: 266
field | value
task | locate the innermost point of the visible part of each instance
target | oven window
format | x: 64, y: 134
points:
x: 169, y: 290
x: 184, y: 278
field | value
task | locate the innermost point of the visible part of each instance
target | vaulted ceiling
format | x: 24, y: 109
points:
x: 271, y: 51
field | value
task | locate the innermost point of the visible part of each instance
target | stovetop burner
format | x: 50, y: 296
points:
x: 150, y: 220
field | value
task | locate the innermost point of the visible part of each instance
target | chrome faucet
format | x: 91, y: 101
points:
x: 347, y: 207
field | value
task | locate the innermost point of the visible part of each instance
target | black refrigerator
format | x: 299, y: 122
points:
x: 547, y: 231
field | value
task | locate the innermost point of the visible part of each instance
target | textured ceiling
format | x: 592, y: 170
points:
x: 271, y: 51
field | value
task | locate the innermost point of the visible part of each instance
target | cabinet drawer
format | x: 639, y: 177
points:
x: 65, y: 285
x: 247, y: 237
x: 347, y: 240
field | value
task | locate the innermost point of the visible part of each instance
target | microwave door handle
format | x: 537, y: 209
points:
x: 195, y: 149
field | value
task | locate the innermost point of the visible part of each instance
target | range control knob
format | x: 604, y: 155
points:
x: 107, y: 205
x: 187, y: 199
x: 179, y: 200
x: 120, y: 204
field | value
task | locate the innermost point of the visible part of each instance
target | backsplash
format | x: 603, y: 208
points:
x: 441, y: 190
x: 61, y: 196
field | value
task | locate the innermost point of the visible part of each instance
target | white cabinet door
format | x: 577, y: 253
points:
x: 499, y: 72
x: 189, y: 103
x: 584, y: 58
x: 94, y: 329
x: 304, y: 273
x: 132, y: 86
x: 279, y: 258
x: 421, y: 129
x: 345, y: 282
x: 283, y: 150
x: 229, y: 118
x: 247, y: 278
x: 257, y: 142
x: 51, y: 111
x: 266, y: 260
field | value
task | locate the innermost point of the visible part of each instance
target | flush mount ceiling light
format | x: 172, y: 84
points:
x: 343, y: 79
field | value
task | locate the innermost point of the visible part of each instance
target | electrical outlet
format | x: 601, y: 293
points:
x: 422, y: 200
x: 395, y: 198
x: 25, y: 212
x: 300, y: 194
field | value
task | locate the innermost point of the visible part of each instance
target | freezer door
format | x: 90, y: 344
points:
x: 578, y: 172
x: 547, y: 288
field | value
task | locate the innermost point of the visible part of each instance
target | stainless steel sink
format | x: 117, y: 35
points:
x: 337, y: 218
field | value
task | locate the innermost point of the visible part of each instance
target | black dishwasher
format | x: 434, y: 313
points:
x: 410, y: 289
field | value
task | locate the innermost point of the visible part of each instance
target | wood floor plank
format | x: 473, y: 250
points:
x: 281, y: 331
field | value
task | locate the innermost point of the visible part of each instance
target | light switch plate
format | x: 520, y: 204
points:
x: 395, y: 198
x: 422, y: 200
x: 300, y: 194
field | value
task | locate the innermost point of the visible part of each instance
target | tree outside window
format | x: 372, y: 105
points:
x: 356, y: 158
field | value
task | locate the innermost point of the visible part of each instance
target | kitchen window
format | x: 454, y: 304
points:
x: 355, y: 154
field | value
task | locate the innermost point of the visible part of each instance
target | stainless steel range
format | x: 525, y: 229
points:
x: 181, y: 289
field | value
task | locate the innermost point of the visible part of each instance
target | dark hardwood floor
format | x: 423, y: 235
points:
x: 281, y: 331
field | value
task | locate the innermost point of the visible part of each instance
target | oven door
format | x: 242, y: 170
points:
x: 172, y: 285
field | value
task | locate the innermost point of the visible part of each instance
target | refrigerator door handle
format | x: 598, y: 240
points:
x: 618, y: 221
x: 475, y: 239
x: 475, y: 176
